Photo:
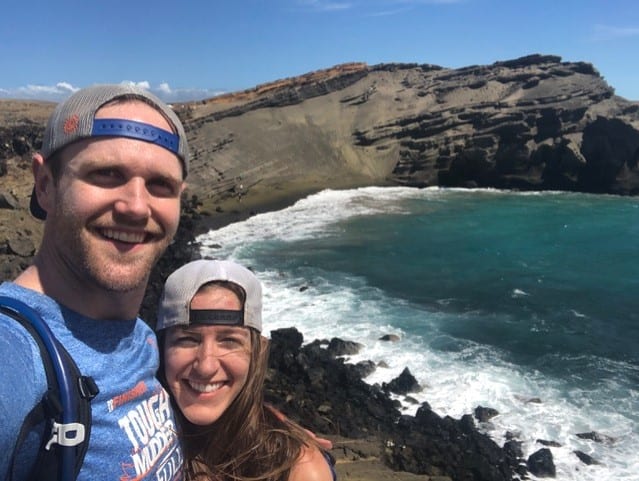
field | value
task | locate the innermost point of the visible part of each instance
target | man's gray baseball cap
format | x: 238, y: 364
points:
x: 185, y: 282
x: 74, y: 119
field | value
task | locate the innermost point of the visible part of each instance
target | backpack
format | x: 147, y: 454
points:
x: 65, y: 408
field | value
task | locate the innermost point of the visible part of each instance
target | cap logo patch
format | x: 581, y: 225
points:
x: 71, y: 124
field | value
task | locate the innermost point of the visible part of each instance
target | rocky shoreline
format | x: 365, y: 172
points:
x: 314, y: 385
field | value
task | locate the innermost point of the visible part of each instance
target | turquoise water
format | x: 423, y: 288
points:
x: 498, y: 297
x: 532, y: 275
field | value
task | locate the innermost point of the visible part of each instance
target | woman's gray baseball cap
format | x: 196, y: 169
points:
x: 74, y: 119
x: 185, y: 282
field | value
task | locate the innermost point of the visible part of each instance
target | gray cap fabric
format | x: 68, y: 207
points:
x: 184, y: 283
x: 73, y: 120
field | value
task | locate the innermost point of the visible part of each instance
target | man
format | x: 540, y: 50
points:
x: 107, y: 183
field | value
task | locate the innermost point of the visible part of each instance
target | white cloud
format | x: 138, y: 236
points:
x: 143, y: 84
x: 62, y: 90
x: 164, y: 88
x: 326, y: 5
x: 376, y: 7
x: 40, y: 92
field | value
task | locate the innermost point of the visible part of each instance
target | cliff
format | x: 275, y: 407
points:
x: 529, y: 123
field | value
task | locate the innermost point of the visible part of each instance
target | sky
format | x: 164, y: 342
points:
x: 191, y: 49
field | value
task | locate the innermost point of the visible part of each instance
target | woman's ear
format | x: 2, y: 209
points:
x: 43, y: 181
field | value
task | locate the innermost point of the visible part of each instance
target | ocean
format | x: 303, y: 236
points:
x: 527, y: 303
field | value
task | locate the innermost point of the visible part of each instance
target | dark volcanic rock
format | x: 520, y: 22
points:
x: 541, y: 463
x: 304, y: 378
x: 307, y: 381
x: 339, y: 347
x: 597, y: 437
x: 483, y: 414
x: 585, y: 458
x: 430, y: 444
x: 402, y: 384
x: 552, y: 444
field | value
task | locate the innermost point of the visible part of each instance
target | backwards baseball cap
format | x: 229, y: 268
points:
x: 185, y: 282
x: 74, y: 119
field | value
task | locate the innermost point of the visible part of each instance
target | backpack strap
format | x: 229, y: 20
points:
x: 65, y: 407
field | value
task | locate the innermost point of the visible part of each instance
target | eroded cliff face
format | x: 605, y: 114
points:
x: 530, y: 123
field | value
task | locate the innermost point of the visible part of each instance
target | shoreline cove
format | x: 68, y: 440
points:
x: 580, y: 457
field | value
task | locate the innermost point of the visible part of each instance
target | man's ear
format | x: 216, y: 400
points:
x: 43, y: 181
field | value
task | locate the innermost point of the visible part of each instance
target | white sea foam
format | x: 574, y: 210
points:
x: 312, y: 216
x: 455, y: 383
x: 457, y: 376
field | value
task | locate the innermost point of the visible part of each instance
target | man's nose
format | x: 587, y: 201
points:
x: 134, y: 199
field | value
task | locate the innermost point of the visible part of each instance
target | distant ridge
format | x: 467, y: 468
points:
x: 308, y: 78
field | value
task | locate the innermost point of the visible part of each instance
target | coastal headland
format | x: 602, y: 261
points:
x: 534, y: 123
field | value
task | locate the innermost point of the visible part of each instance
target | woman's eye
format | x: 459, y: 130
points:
x: 185, y: 341
x: 233, y: 342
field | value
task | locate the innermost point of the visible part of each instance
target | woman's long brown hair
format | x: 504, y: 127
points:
x: 249, y: 442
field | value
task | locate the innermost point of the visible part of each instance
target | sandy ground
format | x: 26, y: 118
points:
x: 359, y: 460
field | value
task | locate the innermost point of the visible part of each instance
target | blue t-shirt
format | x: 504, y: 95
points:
x: 133, y: 433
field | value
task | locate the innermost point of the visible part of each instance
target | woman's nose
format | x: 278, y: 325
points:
x: 207, y: 361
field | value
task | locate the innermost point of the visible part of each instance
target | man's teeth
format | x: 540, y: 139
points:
x: 118, y: 235
x: 205, y: 387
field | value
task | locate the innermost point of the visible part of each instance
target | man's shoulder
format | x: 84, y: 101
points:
x: 19, y: 350
x: 22, y: 382
x: 23, y: 294
x: 22, y: 375
x: 14, y: 335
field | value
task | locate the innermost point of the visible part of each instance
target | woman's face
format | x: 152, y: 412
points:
x: 207, y: 366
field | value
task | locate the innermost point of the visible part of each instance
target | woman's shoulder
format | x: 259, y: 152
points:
x: 312, y: 465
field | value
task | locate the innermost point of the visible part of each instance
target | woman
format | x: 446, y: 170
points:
x: 214, y: 362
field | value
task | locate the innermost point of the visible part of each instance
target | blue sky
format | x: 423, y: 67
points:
x: 195, y: 49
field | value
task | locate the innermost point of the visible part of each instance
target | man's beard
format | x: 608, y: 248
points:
x: 121, y: 274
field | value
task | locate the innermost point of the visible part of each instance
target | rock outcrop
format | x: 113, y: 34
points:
x: 322, y: 392
x: 530, y: 123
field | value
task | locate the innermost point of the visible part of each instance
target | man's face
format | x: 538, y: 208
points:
x: 116, y: 205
